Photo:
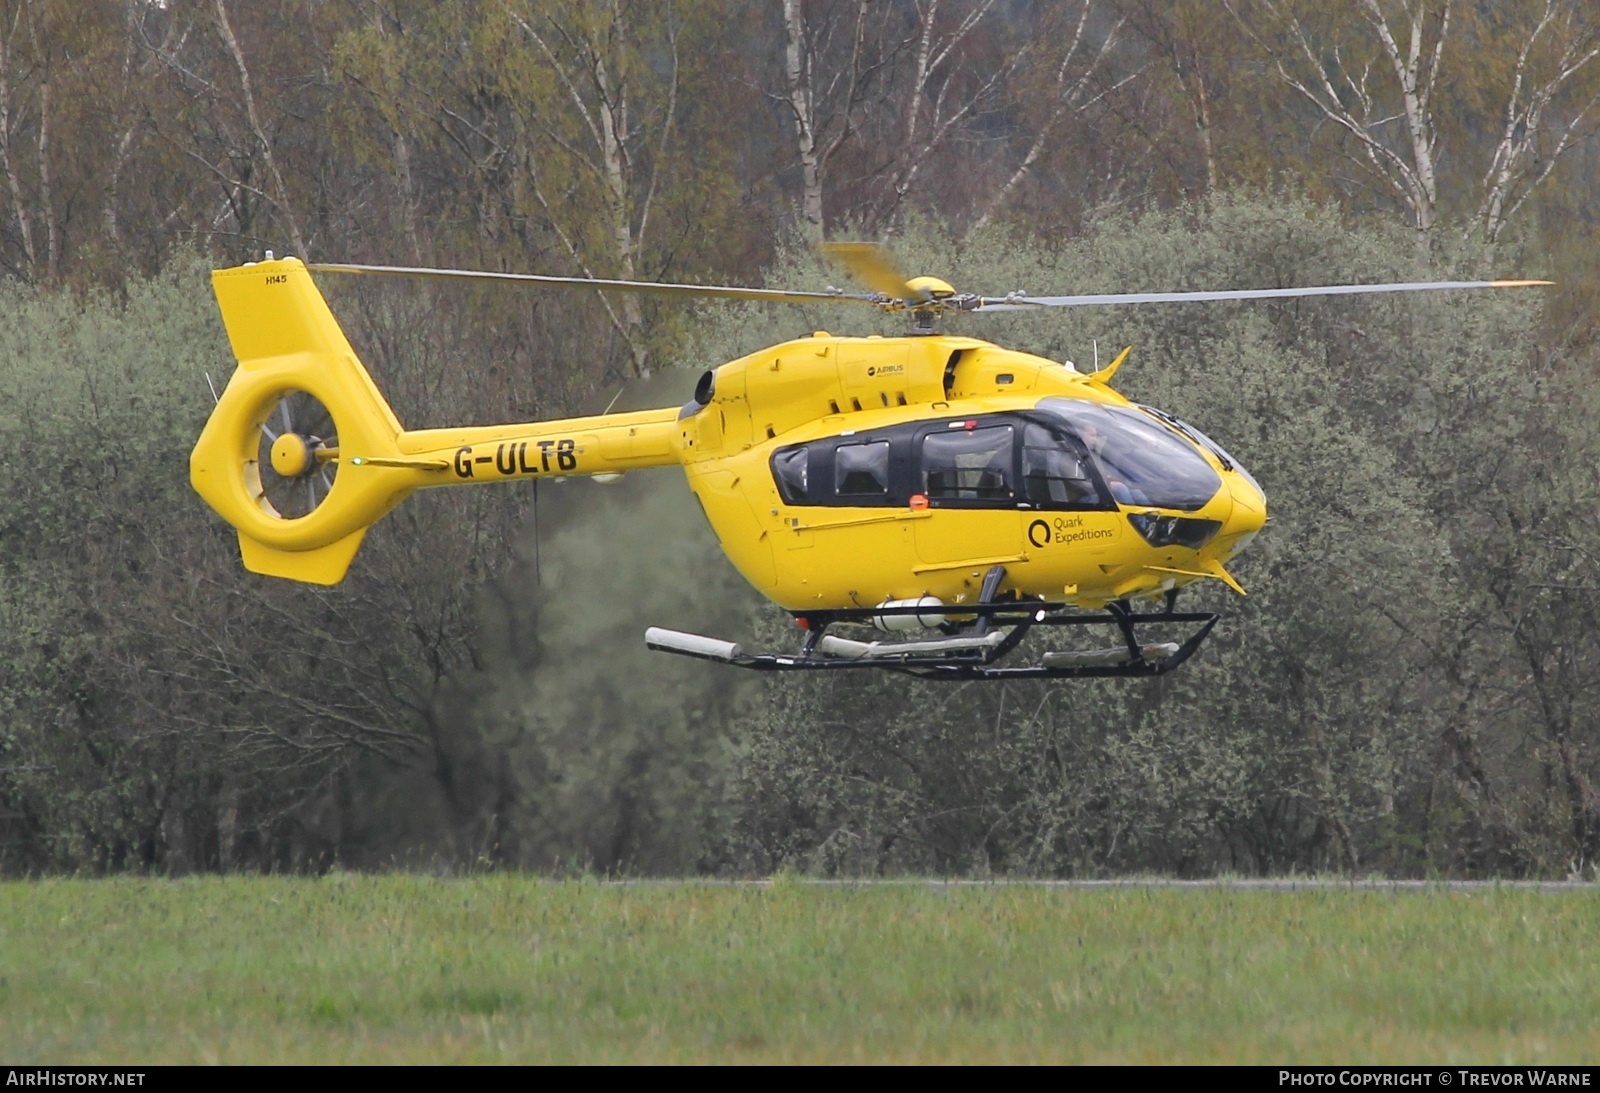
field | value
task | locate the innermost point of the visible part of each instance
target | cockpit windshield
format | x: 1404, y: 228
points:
x: 1142, y: 462
x: 1228, y: 462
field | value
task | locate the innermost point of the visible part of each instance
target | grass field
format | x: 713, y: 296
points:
x: 510, y: 969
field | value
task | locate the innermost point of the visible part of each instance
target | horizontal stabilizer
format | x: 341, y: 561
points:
x: 323, y: 565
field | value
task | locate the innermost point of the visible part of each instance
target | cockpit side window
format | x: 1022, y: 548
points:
x: 1055, y: 473
x: 969, y: 464
x: 861, y: 471
x: 1141, y: 461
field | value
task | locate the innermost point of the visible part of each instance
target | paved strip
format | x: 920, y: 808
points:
x: 1236, y: 884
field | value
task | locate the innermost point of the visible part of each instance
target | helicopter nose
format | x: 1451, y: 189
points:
x: 1248, y: 517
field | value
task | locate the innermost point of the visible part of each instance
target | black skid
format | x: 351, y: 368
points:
x: 1002, y: 625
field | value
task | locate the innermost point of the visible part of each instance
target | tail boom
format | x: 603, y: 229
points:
x: 610, y: 444
x: 286, y: 340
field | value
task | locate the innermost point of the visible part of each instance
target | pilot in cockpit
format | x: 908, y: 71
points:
x: 1108, y: 462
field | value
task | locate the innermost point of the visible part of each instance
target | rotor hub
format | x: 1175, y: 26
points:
x: 930, y: 288
x: 292, y: 455
x: 296, y: 457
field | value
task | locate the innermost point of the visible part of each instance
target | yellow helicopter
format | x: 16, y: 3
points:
x: 954, y: 495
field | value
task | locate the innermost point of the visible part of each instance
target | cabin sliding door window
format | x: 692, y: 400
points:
x: 861, y: 473
x: 969, y: 465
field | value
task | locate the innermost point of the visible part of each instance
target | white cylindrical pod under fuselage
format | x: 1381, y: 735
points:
x: 694, y: 645
x: 926, y: 616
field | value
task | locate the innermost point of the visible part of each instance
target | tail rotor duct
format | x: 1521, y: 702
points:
x: 297, y: 457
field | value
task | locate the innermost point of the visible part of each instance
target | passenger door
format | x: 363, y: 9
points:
x: 967, y: 471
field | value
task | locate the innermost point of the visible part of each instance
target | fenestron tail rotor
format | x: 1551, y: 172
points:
x: 297, y: 457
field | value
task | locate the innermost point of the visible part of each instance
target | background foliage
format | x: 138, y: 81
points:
x: 1405, y: 690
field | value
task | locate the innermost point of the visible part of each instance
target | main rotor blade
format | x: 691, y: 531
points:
x: 657, y: 288
x: 1024, y: 303
x: 870, y: 264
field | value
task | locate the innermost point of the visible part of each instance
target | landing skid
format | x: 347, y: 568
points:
x: 971, y: 650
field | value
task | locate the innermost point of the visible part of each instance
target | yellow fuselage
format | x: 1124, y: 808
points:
x: 804, y: 556
x: 815, y: 557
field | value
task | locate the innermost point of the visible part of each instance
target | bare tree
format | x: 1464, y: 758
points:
x: 946, y: 88
x: 219, y: 121
x: 877, y: 95
x: 16, y: 75
x: 1072, y: 90
x: 1525, y: 155
x: 621, y: 146
x: 131, y: 122
x: 1196, y: 47
x: 1381, y: 86
x: 1343, y: 93
x: 824, y: 114
x: 247, y: 103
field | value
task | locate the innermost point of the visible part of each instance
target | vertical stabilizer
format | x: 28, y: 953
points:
x: 268, y: 459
